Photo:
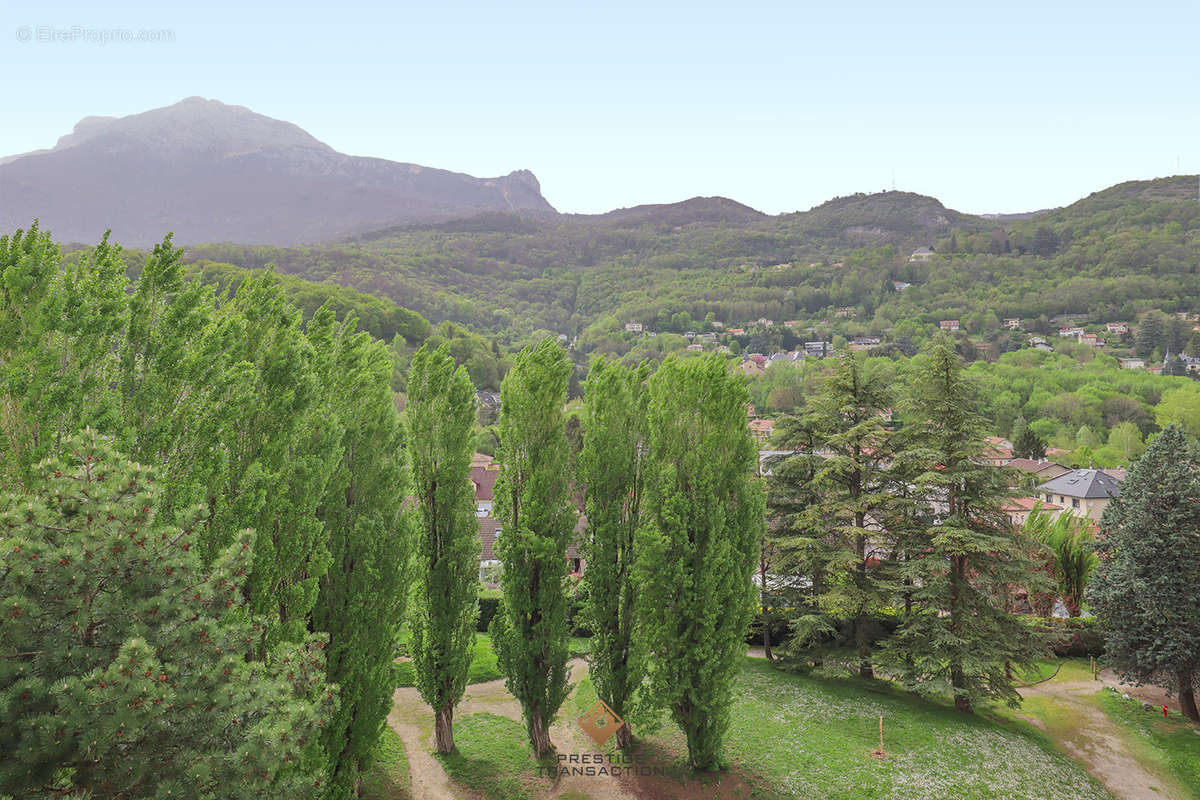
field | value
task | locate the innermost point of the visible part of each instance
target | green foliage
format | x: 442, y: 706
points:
x: 698, y: 546
x: 959, y: 637
x: 850, y: 450
x: 1182, y: 407
x: 1144, y: 586
x: 532, y: 500
x: 1068, y: 539
x: 125, y: 671
x: 441, y: 418
x: 370, y: 538
x: 612, y: 471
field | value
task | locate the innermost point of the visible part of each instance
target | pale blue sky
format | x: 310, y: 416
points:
x: 997, y: 107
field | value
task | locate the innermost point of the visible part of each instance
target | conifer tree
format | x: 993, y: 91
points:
x: 123, y: 669
x: 960, y: 640
x: 1144, y: 588
x: 853, y: 451
x: 611, y: 470
x: 529, y: 631
x: 441, y: 418
x: 698, y: 547
x: 362, y: 595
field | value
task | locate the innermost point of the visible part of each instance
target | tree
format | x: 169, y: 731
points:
x: 611, y: 471
x: 699, y: 546
x: 362, y: 595
x: 959, y: 640
x: 1151, y: 334
x: 853, y: 493
x: 1180, y: 407
x: 1144, y: 587
x: 1068, y: 539
x: 529, y: 631
x: 441, y: 411
x: 1028, y: 444
x: 124, y: 671
x: 1127, y: 439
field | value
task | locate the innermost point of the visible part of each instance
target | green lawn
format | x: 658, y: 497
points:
x: 387, y: 779
x: 794, y: 736
x: 1170, y: 744
x: 492, y: 757
x: 483, y: 665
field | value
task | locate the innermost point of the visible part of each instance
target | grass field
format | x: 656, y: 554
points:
x: 1169, y: 744
x: 797, y: 737
x: 387, y: 779
x: 492, y: 757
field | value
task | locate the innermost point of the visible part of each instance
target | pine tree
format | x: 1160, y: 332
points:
x: 124, y: 656
x: 362, y: 595
x: 441, y: 418
x: 1144, y: 586
x: 699, y: 545
x: 853, y: 451
x: 529, y: 631
x: 960, y: 640
x: 1027, y: 444
x: 611, y: 470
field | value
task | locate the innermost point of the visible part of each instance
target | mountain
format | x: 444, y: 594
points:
x: 215, y: 172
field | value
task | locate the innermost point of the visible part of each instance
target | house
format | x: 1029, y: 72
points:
x: 1045, y: 348
x: 764, y: 322
x: 1119, y: 328
x: 750, y: 368
x: 845, y: 311
x: 1018, y: 509
x: 696, y: 348
x: 792, y: 323
x: 483, y: 478
x: 1091, y: 339
x: 1131, y: 363
x: 737, y: 331
x: 818, y: 349
x: 921, y: 254
x: 1012, y: 323
x: 722, y: 348
x: 780, y: 357
x: 1074, y: 331
x: 1041, y: 470
x: 864, y: 342
x: 716, y: 323
x: 997, y: 452
x: 489, y: 562
x: 900, y: 286
x: 633, y: 327
x: 948, y: 325
x: 1084, y: 491
x: 762, y: 428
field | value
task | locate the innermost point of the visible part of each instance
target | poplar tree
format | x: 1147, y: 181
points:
x: 362, y: 595
x: 612, y: 472
x: 1144, y: 587
x: 441, y: 419
x: 122, y: 655
x: 529, y: 631
x: 698, y: 547
x: 959, y: 639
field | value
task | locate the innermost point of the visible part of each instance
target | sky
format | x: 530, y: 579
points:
x: 990, y: 108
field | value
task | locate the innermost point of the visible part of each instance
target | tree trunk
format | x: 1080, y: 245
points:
x: 624, y: 736
x: 767, y: 637
x: 959, y: 681
x: 862, y: 639
x: 539, y: 735
x: 1187, y: 697
x: 444, y: 731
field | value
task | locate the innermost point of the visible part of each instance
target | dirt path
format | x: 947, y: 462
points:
x: 413, y: 721
x: 1100, y: 744
x: 428, y: 779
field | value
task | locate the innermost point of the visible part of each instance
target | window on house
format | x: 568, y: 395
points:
x: 576, y: 563
x: 1074, y: 502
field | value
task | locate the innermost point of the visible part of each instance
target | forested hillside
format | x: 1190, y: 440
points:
x: 1111, y: 255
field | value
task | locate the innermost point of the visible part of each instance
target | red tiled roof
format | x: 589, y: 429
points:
x: 488, y: 526
x: 484, y: 479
